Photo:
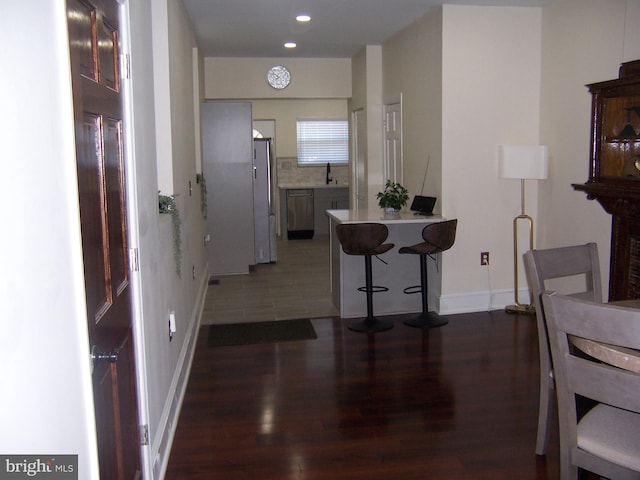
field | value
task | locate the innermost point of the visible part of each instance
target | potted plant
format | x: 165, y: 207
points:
x: 393, y: 197
x: 167, y: 204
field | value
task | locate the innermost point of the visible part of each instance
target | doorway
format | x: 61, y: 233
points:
x: 296, y: 286
x: 393, y: 162
x: 359, y: 126
x: 266, y: 129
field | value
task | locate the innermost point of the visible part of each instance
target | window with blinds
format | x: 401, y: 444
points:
x: 323, y: 141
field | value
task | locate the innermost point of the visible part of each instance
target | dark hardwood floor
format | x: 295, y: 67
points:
x: 458, y: 402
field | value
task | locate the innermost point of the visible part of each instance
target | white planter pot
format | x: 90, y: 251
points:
x: 391, y: 212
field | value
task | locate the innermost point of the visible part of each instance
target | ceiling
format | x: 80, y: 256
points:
x: 338, y: 28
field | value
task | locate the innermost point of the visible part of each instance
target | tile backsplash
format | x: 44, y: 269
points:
x: 288, y: 172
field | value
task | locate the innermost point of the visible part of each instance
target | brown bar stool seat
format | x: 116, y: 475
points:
x: 438, y: 237
x: 366, y: 239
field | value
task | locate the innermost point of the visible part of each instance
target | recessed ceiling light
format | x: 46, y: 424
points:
x: 290, y: 45
x: 303, y: 18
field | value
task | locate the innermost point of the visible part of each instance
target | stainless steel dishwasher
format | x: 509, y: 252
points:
x: 299, y: 213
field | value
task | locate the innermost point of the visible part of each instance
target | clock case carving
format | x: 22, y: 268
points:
x: 614, y: 173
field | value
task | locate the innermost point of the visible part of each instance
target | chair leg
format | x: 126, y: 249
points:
x: 544, y: 413
x: 425, y: 319
x: 368, y: 273
x: 370, y: 324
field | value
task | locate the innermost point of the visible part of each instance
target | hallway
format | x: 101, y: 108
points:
x: 296, y: 286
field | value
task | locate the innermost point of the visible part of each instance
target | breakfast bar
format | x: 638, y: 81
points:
x: 391, y: 270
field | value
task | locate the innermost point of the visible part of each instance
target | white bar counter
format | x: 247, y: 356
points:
x: 400, y: 272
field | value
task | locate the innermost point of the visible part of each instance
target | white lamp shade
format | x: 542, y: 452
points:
x: 524, y: 161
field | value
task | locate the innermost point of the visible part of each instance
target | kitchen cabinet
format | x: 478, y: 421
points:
x: 329, y: 198
x: 614, y: 173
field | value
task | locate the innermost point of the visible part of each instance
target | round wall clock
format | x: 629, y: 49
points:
x: 278, y: 77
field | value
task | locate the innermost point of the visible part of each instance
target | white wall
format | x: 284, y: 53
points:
x: 159, y: 14
x: 367, y: 96
x: 584, y: 41
x: 242, y: 78
x: 412, y: 67
x: 375, y: 124
x: 172, y: 139
x: 358, y: 106
x: 491, y: 96
x: 46, y: 406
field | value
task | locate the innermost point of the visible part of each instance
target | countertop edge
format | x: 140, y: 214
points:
x: 378, y: 216
x: 289, y: 186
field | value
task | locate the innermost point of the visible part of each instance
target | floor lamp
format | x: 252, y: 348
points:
x: 524, y: 162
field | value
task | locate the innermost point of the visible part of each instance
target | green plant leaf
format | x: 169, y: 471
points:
x: 394, y: 195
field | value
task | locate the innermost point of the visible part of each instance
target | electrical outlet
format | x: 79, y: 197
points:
x: 172, y: 325
x: 484, y: 258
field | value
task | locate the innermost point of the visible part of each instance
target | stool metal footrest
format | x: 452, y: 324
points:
x: 426, y: 320
x: 374, y: 289
x: 413, y: 289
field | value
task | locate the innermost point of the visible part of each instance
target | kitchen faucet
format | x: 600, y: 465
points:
x: 328, y: 173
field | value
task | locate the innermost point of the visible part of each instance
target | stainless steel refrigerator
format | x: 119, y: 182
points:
x: 264, y: 201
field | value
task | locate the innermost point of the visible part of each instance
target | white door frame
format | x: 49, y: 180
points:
x: 393, y: 163
x: 146, y: 462
x: 359, y: 155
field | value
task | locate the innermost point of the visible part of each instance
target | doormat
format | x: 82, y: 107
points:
x: 260, y: 332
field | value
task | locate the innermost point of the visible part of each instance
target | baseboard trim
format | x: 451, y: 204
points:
x: 478, y: 301
x: 161, y: 449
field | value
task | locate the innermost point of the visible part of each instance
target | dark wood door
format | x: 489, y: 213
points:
x: 97, y: 99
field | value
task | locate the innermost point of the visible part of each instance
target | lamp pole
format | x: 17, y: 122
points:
x: 520, y: 307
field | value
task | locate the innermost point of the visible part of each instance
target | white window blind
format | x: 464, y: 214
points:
x: 323, y: 141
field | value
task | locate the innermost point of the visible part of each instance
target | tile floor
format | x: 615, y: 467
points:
x: 296, y: 286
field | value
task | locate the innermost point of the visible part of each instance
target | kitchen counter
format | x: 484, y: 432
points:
x: 293, y: 186
x: 377, y: 215
x: 396, y: 273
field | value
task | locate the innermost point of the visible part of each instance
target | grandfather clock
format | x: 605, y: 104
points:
x: 614, y: 173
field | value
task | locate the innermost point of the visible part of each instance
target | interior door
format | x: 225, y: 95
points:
x: 262, y: 199
x: 393, y: 142
x: 94, y: 46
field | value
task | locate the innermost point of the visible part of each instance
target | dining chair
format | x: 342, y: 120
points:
x: 606, y: 439
x: 576, y: 270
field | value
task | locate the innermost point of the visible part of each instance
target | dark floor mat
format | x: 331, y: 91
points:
x: 260, y: 332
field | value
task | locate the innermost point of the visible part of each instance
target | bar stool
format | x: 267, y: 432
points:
x: 366, y: 239
x: 438, y: 237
